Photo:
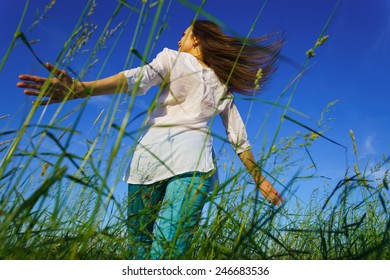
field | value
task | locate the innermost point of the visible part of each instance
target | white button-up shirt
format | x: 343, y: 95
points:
x: 177, y: 138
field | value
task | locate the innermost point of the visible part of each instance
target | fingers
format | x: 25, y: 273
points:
x: 270, y: 193
x: 274, y: 200
x: 29, y: 85
x: 56, y: 89
x: 37, y: 79
x: 32, y: 83
x: 33, y: 89
x: 37, y: 93
x: 31, y: 92
x: 280, y: 197
x: 35, y: 84
x: 31, y: 78
x: 273, y: 196
x: 58, y: 72
x: 277, y: 199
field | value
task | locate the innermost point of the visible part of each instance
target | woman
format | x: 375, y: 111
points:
x: 172, y: 166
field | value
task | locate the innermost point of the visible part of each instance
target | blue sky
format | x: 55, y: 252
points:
x: 351, y: 67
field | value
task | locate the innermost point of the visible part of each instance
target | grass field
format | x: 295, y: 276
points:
x: 58, y: 202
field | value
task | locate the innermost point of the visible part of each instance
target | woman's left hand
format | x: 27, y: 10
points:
x: 270, y: 193
x: 264, y: 186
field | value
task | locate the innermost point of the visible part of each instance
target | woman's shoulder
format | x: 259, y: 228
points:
x: 169, y: 52
x: 176, y: 54
x: 169, y: 55
x: 180, y: 59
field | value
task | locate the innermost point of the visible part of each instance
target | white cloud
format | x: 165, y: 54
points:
x: 369, y: 146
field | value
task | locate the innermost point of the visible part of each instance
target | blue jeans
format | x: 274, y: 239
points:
x: 163, y: 216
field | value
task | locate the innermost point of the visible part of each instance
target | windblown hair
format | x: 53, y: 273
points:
x: 236, y: 62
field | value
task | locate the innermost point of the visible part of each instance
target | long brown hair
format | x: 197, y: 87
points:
x: 234, y: 62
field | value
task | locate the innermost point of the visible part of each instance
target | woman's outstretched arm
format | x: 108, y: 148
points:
x: 265, y: 187
x: 63, y: 88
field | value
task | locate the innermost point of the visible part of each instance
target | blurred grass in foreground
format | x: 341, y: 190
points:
x: 57, y: 195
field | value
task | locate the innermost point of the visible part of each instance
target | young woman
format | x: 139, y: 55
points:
x: 171, y: 170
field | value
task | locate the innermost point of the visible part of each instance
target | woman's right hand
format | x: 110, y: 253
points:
x: 58, y: 89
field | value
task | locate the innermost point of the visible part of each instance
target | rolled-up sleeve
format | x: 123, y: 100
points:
x: 141, y: 79
x: 235, y: 128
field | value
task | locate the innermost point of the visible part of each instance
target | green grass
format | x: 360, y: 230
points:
x: 59, y: 203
